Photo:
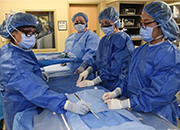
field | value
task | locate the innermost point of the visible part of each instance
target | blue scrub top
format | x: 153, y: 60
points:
x: 112, y: 58
x: 1, y: 108
x: 82, y: 45
x: 154, y: 79
x: 22, y: 85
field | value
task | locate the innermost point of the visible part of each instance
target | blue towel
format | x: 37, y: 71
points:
x: 108, y: 119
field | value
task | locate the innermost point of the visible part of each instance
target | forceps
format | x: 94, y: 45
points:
x: 90, y: 110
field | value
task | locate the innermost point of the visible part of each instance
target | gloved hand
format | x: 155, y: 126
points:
x: 85, y: 83
x: 80, y: 107
x: 88, y: 83
x: 84, y: 74
x: 118, y: 104
x: 113, y: 94
x: 45, y: 77
x: 81, y: 68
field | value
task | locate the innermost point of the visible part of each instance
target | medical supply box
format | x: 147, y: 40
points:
x: 130, y: 11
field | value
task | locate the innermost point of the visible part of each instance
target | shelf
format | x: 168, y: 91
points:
x: 136, y: 39
x: 175, y: 3
x: 128, y: 27
x: 133, y: 15
x: 130, y: 13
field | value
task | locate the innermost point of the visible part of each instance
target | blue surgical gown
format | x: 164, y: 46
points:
x: 82, y: 45
x: 22, y: 86
x: 1, y: 109
x: 112, y: 58
x: 154, y: 79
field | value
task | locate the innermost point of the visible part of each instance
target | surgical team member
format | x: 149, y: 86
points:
x: 82, y: 43
x: 154, y: 73
x: 21, y: 82
x: 112, y: 58
x: 1, y: 114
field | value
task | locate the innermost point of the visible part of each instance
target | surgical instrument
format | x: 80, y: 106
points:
x: 90, y: 110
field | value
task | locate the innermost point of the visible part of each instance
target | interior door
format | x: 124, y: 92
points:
x: 90, y: 10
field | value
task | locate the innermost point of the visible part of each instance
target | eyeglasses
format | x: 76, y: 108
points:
x: 79, y: 23
x: 143, y: 25
x: 29, y: 33
x: 107, y: 23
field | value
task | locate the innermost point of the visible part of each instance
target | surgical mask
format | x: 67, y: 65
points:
x: 108, y: 30
x: 27, y: 42
x: 146, y: 34
x: 79, y: 27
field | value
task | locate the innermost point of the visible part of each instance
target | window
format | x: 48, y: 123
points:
x: 45, y: 27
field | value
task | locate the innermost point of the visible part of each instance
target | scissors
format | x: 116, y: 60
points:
x: 90, y: 110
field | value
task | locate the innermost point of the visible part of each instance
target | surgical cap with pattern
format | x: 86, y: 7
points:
x: 14, y: 21
x: 162, y: 13
x: 80, y: 14
x: 110, y: 13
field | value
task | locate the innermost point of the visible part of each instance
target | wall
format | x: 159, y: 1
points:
x: 60, y: 8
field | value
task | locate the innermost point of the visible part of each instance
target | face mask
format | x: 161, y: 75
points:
x: 79, y: 27
x: 27, y: 42
x: 108, y: 30
x: 146, y: 34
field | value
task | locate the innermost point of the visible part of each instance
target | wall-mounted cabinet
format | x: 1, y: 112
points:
x: 130, y: 13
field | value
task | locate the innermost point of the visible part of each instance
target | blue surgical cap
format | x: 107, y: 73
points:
x: 80, y: 14
x: 162, y: 13
x: 14, y: 21
x: 110, y: 13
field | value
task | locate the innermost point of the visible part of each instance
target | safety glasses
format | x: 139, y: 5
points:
x: 79, y: 23
x: 107, y: 23
x: 29, y: 32
x: 143, y: 25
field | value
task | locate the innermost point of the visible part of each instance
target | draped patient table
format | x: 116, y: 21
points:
x: 126, y: 119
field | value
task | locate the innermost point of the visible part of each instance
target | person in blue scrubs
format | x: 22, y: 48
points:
x: 112, y: 58
x: 82, y: 43
x: 21, y: 83
x: 1, y: 114
x: 154, y: 72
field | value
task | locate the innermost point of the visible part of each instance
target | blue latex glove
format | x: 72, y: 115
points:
x: 80, y: 107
